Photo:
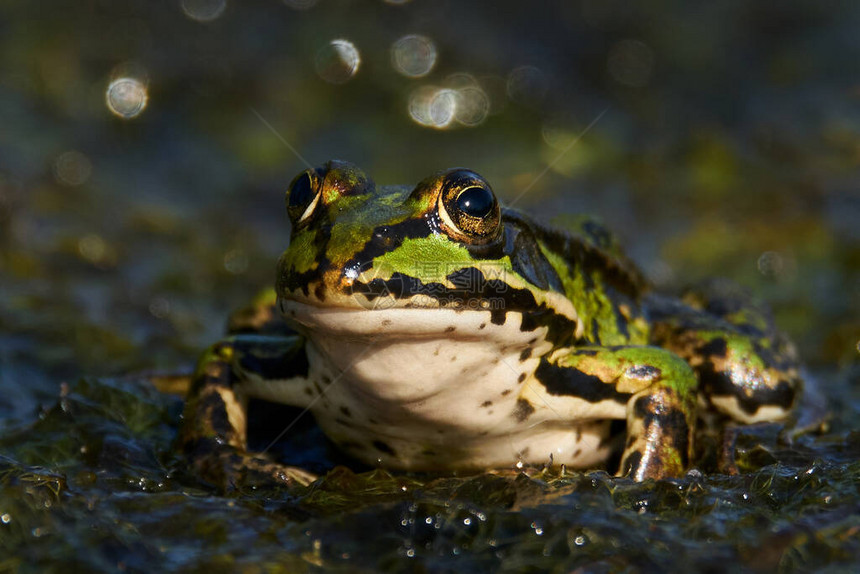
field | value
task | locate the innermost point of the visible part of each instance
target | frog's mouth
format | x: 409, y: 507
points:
x: 392, y: 321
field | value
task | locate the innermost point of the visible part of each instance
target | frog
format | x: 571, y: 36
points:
x: 429, y: 328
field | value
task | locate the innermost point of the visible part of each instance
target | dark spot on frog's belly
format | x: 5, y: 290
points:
x: 523, y: 410
x: 527, y: 352
x: 269, y: 360
x: 573, y: 383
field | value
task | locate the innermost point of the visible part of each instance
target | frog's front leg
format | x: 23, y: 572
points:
x: 653, y: 389
x: 213, y: 434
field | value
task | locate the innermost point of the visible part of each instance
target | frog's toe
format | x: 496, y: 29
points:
x: 262, y: 472
x: 229, y: 469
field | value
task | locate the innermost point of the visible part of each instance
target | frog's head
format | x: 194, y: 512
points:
x: 397, y: 253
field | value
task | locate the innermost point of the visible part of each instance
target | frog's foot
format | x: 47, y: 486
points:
x: 659, y: 434
x: 653, y: 389
x: 229, y: 469
x: 726, y: 455
x: 213, y: 436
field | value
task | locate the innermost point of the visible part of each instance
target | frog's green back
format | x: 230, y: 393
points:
x: 603, y: 284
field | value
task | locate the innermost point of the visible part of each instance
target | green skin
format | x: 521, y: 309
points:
x: 594, y: 344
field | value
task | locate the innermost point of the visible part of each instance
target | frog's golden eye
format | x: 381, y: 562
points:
x: 468, y: 207
x: 303, y: 196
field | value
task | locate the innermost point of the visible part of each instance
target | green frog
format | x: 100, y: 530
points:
x: 429, y: 328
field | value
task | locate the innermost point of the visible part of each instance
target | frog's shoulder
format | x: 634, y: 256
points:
x: 590, y: 230
x: 584, y: 240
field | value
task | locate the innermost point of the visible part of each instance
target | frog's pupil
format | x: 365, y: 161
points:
x: 302, y: 192
x: 476, y: 201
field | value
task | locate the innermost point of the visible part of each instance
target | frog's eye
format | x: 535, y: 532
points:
x: 303, y: 196
x: 468, y: 207
x: 477, y: 202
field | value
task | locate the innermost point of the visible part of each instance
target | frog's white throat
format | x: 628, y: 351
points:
x: 407, y: 355
x: 429, y: 388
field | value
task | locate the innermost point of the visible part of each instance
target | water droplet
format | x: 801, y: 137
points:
x: 203, y: 10
x: 126, y: 97
x: 72, y: 168
x: 338, y: 61
x: 6, y: 518
x: 579, y: 540
x: 630, y: 63
x: 413, y: 55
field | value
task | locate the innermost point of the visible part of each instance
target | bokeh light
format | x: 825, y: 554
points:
x: 432, y: 106
x: 413, y: 55
x: 72, y: 168
x: 776, y: 265
x: 203, y: 10
x: 338, y: 61
x: 236, y: 261
x: 93, y: 248
x: 159, y: 307
x: 473, y: 105
x: 461, y: 100
x: 126, y: 97
x: 630, y: 63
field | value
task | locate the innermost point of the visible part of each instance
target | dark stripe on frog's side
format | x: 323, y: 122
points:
x: 715, y: 377
x: 567, y: 381
x: 272, y: 357
x: 560, y: 328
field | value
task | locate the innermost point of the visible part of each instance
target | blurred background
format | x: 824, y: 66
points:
x: 145, y: 149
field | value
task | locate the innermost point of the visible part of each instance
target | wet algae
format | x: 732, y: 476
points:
x: 94, y: 485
